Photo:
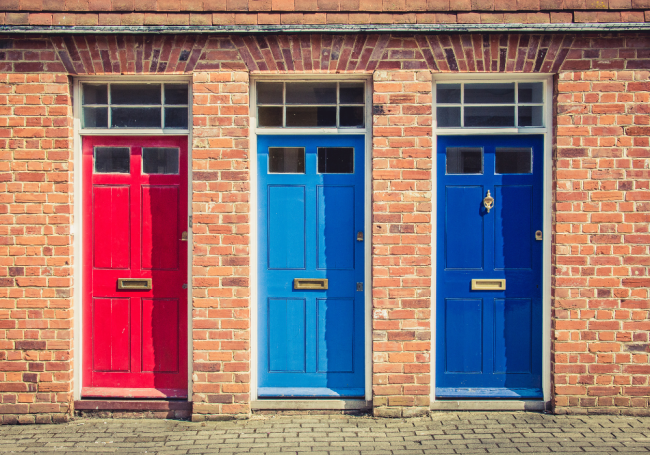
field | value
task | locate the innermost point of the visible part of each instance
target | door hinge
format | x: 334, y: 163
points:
x: 189, y: 222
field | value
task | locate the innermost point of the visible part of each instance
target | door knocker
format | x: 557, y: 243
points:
x: 488, y: 202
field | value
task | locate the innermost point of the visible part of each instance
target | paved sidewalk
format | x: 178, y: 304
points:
x: 442, y: 433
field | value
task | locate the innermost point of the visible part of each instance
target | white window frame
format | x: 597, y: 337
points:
x: 546, y: 131
x: 77, y: 227
x: 304, y: 131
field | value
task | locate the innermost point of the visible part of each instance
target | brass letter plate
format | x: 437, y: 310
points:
x: 488, y: 285
x: 138, y: 284
x: 310, y: 283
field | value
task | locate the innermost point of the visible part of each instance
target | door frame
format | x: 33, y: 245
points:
x: 254, y: 131
x: 547, y: 195
x: 77, y: 226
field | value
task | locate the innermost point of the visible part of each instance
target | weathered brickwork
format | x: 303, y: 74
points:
x: 35, y: 247
x: 401, y: 240
x: 601, y: 210
x: 602, y: 214
x: 316, y: 12
x: 221, y: 228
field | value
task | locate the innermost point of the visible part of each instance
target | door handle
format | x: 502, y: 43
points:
x: 488, y: 285
x: 183, y: 237
x: 310, y: 283
x: 136, y: 284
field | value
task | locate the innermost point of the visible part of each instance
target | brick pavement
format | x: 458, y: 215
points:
x: 442, y: 433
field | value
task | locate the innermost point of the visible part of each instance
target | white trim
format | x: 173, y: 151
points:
x: 254, y: 132
x: 77, y: 225
x: 547, y: 131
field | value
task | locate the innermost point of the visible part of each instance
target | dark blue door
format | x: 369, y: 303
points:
x: 311, y: 265
x: 489, y: 279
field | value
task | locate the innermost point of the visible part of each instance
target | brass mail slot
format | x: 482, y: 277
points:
x: 141, y: 284
x: 488, y: 285
x: 310, y: 283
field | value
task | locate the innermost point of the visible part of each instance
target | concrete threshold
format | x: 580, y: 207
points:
x: 490, y: 405
x: 309, y: 405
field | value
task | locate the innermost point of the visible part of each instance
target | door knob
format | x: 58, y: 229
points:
x: 183, y: 237
x: 488, y: 201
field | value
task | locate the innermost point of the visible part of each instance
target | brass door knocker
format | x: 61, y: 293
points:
x: 488, y: 202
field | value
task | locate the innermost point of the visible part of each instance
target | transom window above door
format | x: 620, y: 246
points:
x: 311, y: 104
x: 135, y: 105
x: 490, y: 104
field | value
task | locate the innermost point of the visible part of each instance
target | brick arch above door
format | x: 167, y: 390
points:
x: 321, y: 53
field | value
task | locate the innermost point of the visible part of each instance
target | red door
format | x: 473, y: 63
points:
x: 135, y: 267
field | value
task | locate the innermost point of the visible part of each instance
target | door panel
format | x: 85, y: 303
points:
x: 159, y: 230
x: 489, y: 342
x: 286, y: 231
x: 311, y: 341
x: 111, y: 239
x: 135, y: 339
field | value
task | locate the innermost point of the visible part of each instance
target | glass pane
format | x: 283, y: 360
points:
x: 95, y: 94
x: 176, y: 117
x: 531, y: 92
x: 135, y: 94
x: 159, y: 160
x: 269, y: 116
x: 531, y: 116
x: 336, y: 160
x: 311, y: 93
x: 112, y: 159
x: 513, y: 160
x: 447, y: 93
x: 351, y: 93
x: 311, y: 116
x: 176, y: 93
x: 351, y: 115
x: 95, y: 117
x: 135, y: 117
x: 464, y: 160
x: 286, y: 160
x: 489, y: 116
x: 448, y: 116
x: 269, y: 93
x: 489, y: 93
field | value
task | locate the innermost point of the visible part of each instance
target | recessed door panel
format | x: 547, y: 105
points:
x: 464, y: 336
x: 335, y: 335
x: 463, y: 228
x: 160, y: 233
x: 111, y: 334
x: 287, y: 336
x: 335, y: 222
x: 286, y: 235
x: 513, y: 329
x: 160, y: 342
x: 513, y: 227
x: 111, y: 234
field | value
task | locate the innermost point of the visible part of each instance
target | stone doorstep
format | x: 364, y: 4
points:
x: 133, y: 405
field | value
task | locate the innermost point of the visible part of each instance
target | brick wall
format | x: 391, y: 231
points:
x: 602, y: 212
x: 401, y: 243
x: 35, y: 247
x: 221, y: 227
x: 601, y: 205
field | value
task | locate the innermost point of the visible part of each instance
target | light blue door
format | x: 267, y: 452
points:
x: 311, y: 266
x: 489, y: 262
